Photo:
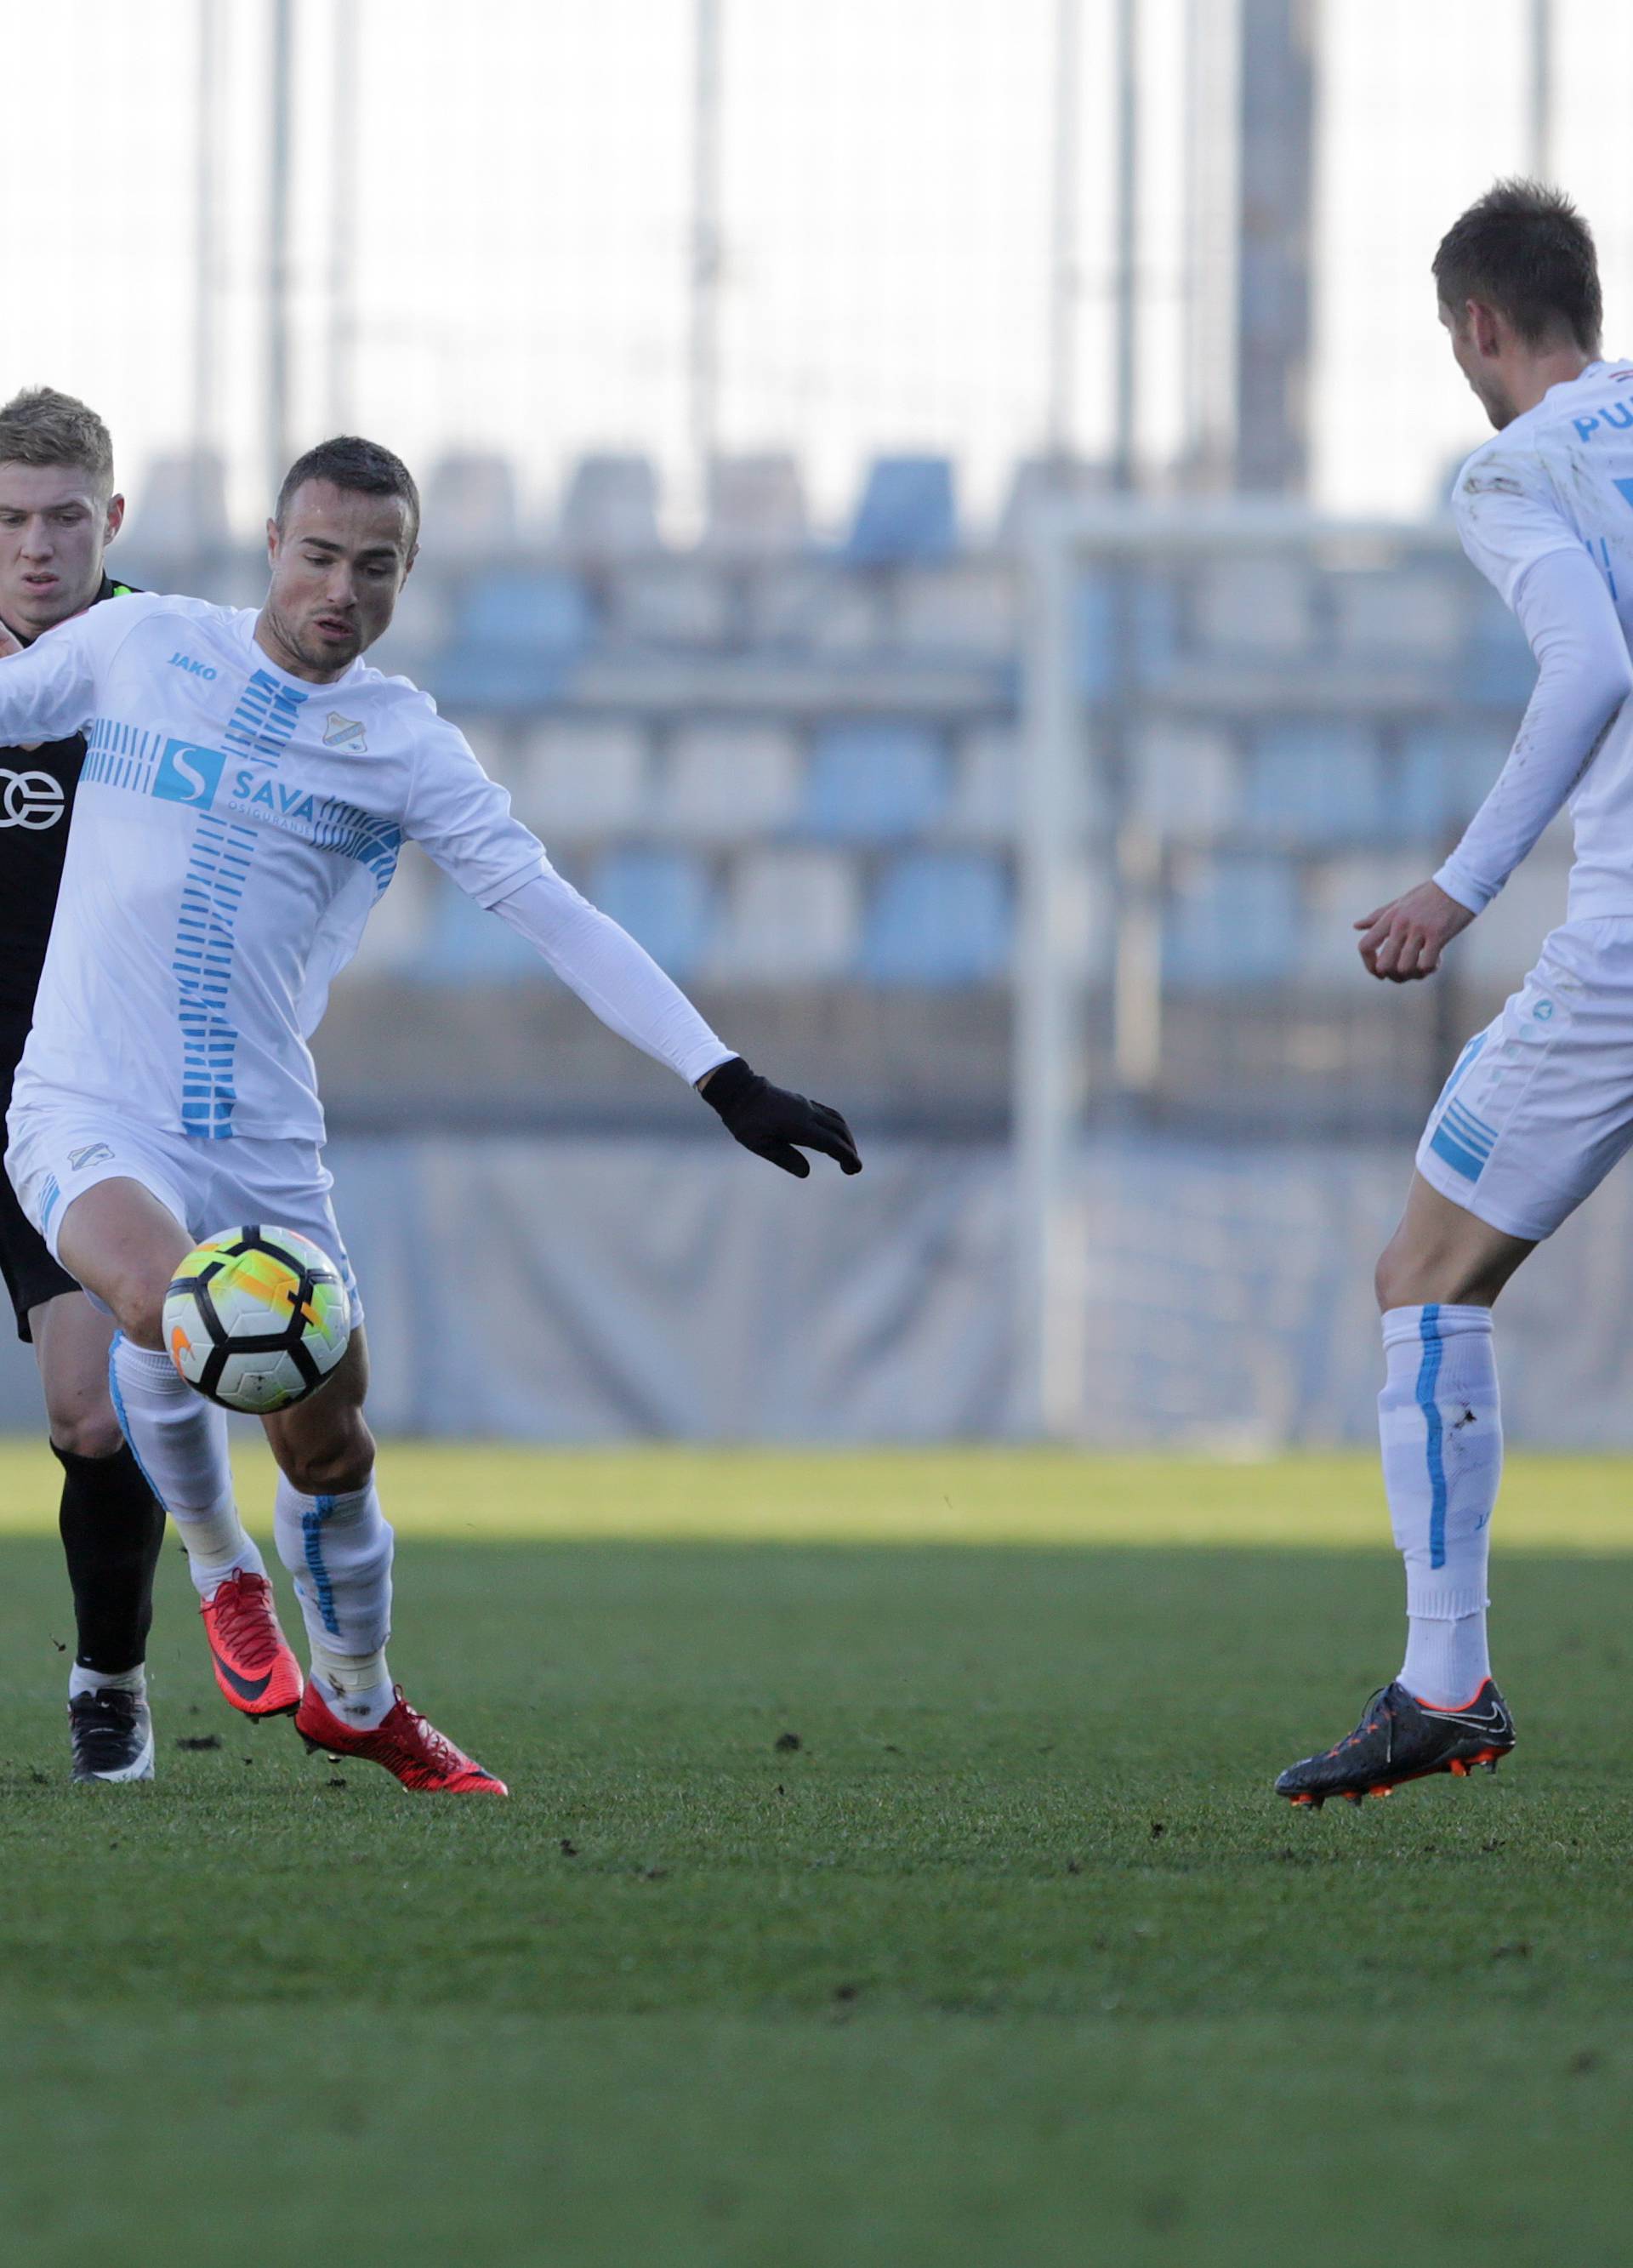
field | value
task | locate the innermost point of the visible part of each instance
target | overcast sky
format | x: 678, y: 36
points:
x: 521, y: 172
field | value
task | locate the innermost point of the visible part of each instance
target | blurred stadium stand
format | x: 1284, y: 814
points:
x: 792, y: 767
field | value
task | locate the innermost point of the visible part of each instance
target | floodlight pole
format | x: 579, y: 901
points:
x: 204, y: 265
x: 278, y: 178
x: 1060, y: 418
x: 1047, y: 1286
x: 1125, y: 258
x: 1541, y: 88
x: 342, y: 330
x: 703, y: 341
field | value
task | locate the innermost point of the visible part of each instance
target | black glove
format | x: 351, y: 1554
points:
x: 769, y: 1120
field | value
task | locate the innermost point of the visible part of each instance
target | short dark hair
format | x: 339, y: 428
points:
x: 40, y: 426
x: 1526, y: 251
x: 349, y: 461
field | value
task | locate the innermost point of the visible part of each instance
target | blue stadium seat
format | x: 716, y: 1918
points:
x: 540, y: 613
x: 464, y: 944
x: 939, y: 917
x: 516, y: 636
x: 1316, y: 782
x: 662, y: 898
x: 874, y: 781
x: 907, y: 516
x: 1499, y: 667
x: 1231, y: 921
x: 1152, y: 630
x: 1446, y: 771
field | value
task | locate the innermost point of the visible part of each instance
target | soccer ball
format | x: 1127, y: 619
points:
x: 256, y: 1318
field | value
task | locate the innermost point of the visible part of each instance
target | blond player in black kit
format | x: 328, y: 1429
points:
x: 58, y: 512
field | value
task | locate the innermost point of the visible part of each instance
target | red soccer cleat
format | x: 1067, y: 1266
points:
x: 420, y: 1756
x: 254, y: 1668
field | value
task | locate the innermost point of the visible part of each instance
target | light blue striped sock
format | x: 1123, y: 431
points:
x: 1440, y: 1424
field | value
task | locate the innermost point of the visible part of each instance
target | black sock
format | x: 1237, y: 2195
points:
x: 113, y: 1527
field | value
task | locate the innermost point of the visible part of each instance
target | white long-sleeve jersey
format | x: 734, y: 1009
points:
x: 234, y: 827
x: 1545, y: 510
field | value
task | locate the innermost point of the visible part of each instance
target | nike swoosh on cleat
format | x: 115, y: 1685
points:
x: 249, y: 1689
x: 1493, y: 1718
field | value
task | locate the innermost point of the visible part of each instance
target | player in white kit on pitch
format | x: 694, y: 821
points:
x: 247, y: 784
x: 1539, y: 1105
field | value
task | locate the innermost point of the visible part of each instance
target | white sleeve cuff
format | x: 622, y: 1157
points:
x: 1456, y: 881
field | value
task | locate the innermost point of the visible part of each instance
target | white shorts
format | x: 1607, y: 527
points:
x: 60, y: 1150
x: 1540, y: 1106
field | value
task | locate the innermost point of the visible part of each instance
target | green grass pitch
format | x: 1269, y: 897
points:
x: 1011, y: 1959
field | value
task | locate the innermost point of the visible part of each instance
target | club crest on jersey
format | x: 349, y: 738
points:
x: 93, y: 1154
x: 345, y: 732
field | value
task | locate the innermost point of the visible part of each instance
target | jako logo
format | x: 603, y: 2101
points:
x: 193, y: 668
x: 189, y: 775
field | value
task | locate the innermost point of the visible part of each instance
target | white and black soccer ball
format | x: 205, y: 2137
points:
x: 256, y: 1318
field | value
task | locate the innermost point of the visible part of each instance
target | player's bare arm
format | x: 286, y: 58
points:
x: 1404, y: 941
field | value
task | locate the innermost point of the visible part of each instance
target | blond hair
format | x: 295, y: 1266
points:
x: 40, y: 426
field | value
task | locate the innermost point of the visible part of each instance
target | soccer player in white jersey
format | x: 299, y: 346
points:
x: 247, y: 783
x: 1539, y: 1105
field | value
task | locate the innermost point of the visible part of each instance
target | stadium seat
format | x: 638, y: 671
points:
x: 1315, y: 782
x: 727, y: 782
x: 1149, y: 632
x: 543, y: 611
x: 610, y: 509
x: 515, y: 639
x: 939, y: 918
x: 1185, y: 779
x: 180, y: 509
x: 907, y: 515
x: 1415, y: 613
x: 874, y: 781
x: 1255, y: 608
x: 395, y: 939
x: 755, y: 506
x: 1502, y: 944
x: 1230, y: 921
x: 968, y: 611
x: 789, y: 916
x: 662, y: 898
x: 1445, y: 773
x: 1498, y: 667
x: 470, y: 507
x: 813, y: 606
x: 678, y: 601
x: 1337, y: 893
x: 985, y: 805
x: 465, y: 944
x: 581, y: 780
x: 1038, y: 482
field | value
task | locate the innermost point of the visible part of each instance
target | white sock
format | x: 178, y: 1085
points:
x: 179, y: 1441
x: 1441, y: 1428
x: 339, y: 1550
x: 356, y: 1696
x: 106, y: 1681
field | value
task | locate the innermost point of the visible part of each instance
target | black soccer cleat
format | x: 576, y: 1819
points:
x: 113, y: 1735
x: 1400, y: 1738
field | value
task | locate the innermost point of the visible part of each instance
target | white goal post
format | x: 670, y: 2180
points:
x: 1076, y: 755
